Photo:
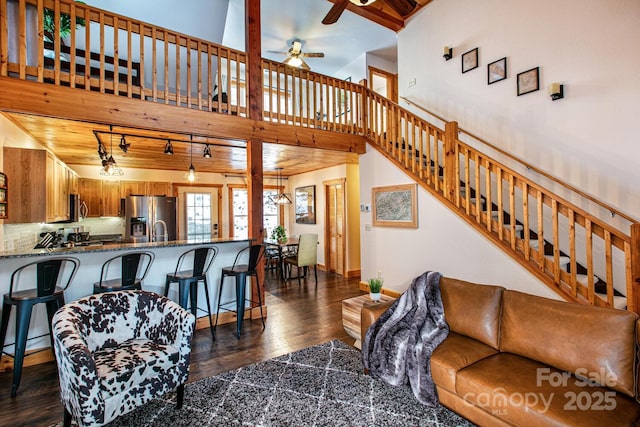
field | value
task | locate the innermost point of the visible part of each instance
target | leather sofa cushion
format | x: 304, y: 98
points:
x: 454, y: 353
x: 528, y: 393
x: 598, y: 343
x: 472, y: 310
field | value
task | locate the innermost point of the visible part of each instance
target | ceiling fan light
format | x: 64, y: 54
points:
x: 293, y: 61
x: 362, y: 2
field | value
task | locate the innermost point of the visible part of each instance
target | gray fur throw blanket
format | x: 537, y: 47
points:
x: 397, y: 348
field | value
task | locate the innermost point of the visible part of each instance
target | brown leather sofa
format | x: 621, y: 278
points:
x: 513, y: 359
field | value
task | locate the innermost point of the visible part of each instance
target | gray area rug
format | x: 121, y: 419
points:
x: 317, y: 386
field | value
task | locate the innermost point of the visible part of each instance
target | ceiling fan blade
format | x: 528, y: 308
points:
x: 277, y: 51
x: 402, y: 7
x: 334, y: 13
x: 312, y: 55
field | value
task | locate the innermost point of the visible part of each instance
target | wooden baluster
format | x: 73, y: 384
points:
x: 101, y: 78
x: 72, y: 47
x: 556, y: 241
x: 590, y: 272
x: 141, y: 75
x: 478, y: 206
x: 166, y: 67
x: 116, y: 57
x: 608, y: 256
x: 129, y: 60
x: 540, y: 211
x: 512, y: 211
x: 4, y: 37
x: 572, y: 251
x: 40, y: 53
x: 500, y: 203
x: 488, y: 196
x: 525, y: 221
x: 632, y: 257
x: 450, y: 159
x: 154, y: 63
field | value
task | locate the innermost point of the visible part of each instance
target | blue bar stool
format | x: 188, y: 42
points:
x: 241, y: 272
x: 50, y: 286
x: 188, y: 280
x: 128, y: 278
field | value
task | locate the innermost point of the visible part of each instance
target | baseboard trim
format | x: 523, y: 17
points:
x: 228, y: 317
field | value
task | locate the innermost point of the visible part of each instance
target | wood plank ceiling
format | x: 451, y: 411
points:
x: 76, y: 143
x: 381, y: 13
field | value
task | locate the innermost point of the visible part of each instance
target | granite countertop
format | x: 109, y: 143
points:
x: 115, y: 246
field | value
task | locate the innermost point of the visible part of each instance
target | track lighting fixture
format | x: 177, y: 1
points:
x: 207, y: 152
x: 124, y: 146
x: 168, y: 148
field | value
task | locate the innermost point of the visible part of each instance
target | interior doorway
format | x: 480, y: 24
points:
x: 335, y: 227
x: 384, y: 83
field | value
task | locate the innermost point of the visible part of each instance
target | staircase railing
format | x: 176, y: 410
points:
x: 581, y: 256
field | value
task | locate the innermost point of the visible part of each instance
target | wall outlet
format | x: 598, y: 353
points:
x: 365, y: 208
x: 412, y: 82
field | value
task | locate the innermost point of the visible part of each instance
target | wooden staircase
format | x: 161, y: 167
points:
x: 580, y: 256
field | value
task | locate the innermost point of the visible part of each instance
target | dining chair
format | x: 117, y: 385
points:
x: 133, y: 268
x: 241, y: 272
x: 198, y: 260
x: 305, y: 257
x: 52, y: 277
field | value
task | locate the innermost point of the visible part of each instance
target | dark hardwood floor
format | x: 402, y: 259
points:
x: 298, y: 317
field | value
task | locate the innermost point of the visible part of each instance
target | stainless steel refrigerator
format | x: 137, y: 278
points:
x: 150, y: 219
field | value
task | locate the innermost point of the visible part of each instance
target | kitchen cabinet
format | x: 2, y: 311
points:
x: 102, y: 198
x: 40, y: 186
x: 90, y: 191
x: 159, y: 189
x: 132, y: 188
x: 110, y: 198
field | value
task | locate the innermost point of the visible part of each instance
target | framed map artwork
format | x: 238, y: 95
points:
x: 395, y: 206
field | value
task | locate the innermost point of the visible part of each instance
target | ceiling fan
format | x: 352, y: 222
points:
x: 295, y: 55
x: 402, y: 7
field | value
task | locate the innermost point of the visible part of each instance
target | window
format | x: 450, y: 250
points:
x: 240, y: 211
x: 198, y: 213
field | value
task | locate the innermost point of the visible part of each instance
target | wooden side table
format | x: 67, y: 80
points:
x: 351, y: 315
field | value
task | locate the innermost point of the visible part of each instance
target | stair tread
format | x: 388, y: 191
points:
x: 562, y: 259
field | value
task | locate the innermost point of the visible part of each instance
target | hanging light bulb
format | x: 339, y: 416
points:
x: 191, y: 173
x: 109, y: 167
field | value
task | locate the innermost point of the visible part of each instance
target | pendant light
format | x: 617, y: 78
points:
x: 109, y: 167
x: 191, y: 174
x: 281, y: 198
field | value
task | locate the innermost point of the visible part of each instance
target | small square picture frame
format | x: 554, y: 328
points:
x: 470, y: 60
x: 497, y: 71
x: 528, y: 81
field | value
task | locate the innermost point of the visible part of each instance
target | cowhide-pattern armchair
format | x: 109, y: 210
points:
x: 118, y: 350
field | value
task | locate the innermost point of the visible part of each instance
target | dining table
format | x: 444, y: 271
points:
x: 284, y: 248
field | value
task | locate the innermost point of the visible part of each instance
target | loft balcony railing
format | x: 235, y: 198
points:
x: 581, y: 255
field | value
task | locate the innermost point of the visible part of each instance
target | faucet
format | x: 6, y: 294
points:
x: 154, y: 235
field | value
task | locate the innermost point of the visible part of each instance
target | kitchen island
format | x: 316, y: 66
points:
x: 91, y: 260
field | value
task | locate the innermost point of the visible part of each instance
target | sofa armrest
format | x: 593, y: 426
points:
x: 370, y: 313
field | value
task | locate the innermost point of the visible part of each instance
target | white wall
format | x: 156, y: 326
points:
x: 587, y: 139
x: 442, y: 242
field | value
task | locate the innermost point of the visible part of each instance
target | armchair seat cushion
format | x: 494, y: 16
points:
x: 126, y: 366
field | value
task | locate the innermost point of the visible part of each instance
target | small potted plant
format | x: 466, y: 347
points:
x: 279, y: 234
x: 375, y: 286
